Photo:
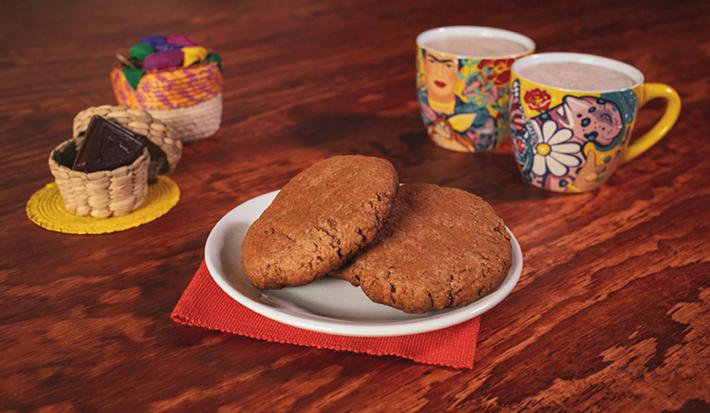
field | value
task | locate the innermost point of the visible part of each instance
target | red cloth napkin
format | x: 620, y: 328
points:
x: 204, y: 304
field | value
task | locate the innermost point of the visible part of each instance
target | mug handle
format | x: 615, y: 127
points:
x: 649, y: 92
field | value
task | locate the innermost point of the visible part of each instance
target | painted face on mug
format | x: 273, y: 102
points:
x: 442, y: 73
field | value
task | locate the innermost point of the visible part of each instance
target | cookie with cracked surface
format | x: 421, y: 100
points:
x: 440, y: 247
x: 320, y: 219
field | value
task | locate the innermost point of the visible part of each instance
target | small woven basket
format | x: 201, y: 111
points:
x: 120, y: 191
x: 189, y: 99
x: 100, y: 194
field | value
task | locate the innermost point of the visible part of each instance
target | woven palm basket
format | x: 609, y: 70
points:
x: 189, y: 99
x: 120, y: 191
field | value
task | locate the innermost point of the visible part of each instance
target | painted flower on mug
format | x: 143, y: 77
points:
x: 553, y: 151
x: 537, y: 99
x: 497, y: 70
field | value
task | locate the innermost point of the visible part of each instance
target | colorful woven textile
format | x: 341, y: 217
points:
x: 169, y: 89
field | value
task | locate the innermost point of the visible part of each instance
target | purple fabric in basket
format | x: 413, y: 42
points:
x: 153, y: 40
x: 163, y: 60
x: 167, y: 46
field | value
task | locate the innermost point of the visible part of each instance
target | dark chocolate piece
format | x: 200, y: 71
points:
x: 158, y: 160
x: 66, y: 156
x: 107, y: 146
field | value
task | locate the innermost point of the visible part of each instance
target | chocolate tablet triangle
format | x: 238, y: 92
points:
x: 107, y: 146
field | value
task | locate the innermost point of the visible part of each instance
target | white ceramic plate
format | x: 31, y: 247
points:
x: 328, y: 305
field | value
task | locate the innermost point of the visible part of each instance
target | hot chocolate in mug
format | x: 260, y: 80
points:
x: 572, y: 116
x: 463, y: 84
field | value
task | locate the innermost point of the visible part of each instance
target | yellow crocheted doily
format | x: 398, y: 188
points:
x: 46, y: 209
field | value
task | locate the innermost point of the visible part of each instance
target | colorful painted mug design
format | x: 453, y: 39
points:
x: 464, y: 99
x: 572, y: 140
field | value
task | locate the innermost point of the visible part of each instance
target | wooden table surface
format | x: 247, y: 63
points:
x: 611, y: 312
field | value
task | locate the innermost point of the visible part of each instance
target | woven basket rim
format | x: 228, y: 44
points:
x: 53, y: 164
x: 168, y: 88
x: 176, y: 145
x: 172, y: 69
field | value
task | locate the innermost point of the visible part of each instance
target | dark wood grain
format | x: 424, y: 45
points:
x: 611, y: 313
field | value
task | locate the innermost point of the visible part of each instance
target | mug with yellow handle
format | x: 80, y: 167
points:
x: 572, y: 139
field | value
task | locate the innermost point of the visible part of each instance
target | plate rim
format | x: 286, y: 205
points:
x: 437, y: 321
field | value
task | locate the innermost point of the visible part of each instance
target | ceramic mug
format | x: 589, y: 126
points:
x: 464, y: 98
x: 572, y: 140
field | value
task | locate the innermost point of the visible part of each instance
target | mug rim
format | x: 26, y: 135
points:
x: 595, y: 60
x: 480, y: 31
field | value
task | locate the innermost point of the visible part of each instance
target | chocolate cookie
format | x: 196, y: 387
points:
x: 320, y: 219
x: 439, y: 247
